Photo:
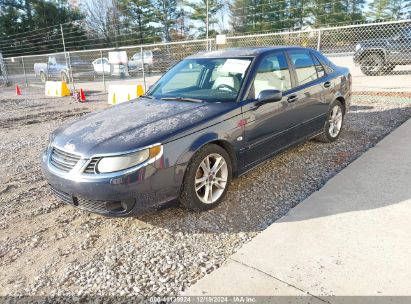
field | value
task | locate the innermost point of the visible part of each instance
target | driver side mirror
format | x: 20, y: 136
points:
x: 267, y: 96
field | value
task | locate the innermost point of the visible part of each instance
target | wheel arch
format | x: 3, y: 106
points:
x: 377, y: 51
x: 343, y: 102
x: 339, y: 97
x: 228, y: 147
x: 202, y: 141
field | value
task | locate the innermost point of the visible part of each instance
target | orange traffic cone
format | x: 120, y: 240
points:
x: 18, y: 92
x: 82, y: 95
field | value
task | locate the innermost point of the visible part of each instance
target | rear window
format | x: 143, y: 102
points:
x: 328, y: 65
x: 319, y: 67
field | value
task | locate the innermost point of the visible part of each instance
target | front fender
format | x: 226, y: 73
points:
x: 182, y: 150
x: 370, y: 50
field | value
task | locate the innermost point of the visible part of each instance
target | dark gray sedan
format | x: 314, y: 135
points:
x: 213, y: 116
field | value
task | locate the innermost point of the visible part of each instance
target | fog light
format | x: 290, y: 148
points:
x: 114, y: 207
x: 120, y: 206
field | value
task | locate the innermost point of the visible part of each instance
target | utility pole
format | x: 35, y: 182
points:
x: 62, y: 38
x: 207, y: 24
x: 69, y: 72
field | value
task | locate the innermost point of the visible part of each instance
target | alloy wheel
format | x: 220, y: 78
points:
x: 335, y: 121
x: 372, y: 64
x: 211, y: 178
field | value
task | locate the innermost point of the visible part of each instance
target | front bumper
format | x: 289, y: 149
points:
x: 119, y: 195
x: 357, y: 57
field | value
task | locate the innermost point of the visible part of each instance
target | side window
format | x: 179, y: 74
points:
x: 272, y: 74
x: 52, y: 60
x: 304, y: 66
x: 318, y: 67
x: 327, y: 64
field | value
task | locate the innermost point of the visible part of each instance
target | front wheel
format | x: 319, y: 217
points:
x: 207, y: 178
x: 372, y: 65
x: 389, y: 68
x: 64, y: 77
x: 334, y: 123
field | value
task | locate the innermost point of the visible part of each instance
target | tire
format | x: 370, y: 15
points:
x: 389, y: 68
x: 327, y: 135
x: 372, y: 65
x: 147, y: 69
x: 200, y: 200
x: 43, y: 77
x: 64, y: 77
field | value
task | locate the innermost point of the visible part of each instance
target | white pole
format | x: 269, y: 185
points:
x: 207, y: 25
x: 319, y: 41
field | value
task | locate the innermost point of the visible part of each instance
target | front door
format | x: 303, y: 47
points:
x: 399, y: 48
x: 268, y: 126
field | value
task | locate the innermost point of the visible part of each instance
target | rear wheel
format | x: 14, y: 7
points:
x: 372, y: 65
x: 43, y: 77
x: 334, y: 123
x: 207, y: 178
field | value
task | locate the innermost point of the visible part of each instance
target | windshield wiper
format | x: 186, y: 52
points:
x: 182, y: 99
x: 147, y: 96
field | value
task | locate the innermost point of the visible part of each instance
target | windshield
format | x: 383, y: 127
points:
x: 206, y: 79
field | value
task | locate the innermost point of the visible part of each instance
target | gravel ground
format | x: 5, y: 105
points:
x: 49, y: 248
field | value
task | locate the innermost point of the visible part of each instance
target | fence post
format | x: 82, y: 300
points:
x: 24, y: 71
x: 104, y: 79
x: 319, y: 40
x: 144, y: 74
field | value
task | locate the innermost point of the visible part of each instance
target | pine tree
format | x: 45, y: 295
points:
x: 379, y: 10
x: 166, y: 14
x: 199, y: 14
x: 325, y: 12
x: 136, y: 19
x: 389, y: 9
x: 41, y: 19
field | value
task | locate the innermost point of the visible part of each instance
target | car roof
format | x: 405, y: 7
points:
x: 240, y: 52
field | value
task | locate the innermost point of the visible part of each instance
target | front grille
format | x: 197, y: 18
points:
x: 67, y: 198
x: 63, y: 160
x: 88, y: 205
x: 92, y: 205
x: 91, y: 167
x: 97, y: 206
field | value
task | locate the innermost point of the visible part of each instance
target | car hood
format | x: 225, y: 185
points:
x: 377, y: 42
x: 136, y: 124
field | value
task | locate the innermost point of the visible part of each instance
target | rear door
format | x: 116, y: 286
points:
x: 310, y: 106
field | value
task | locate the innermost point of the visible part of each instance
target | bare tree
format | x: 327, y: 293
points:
x: 101, y: 20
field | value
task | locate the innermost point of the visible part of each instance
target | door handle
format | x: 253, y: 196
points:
x: 327, y: 84
x: 292, y: 98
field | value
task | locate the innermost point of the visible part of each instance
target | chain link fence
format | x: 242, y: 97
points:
x: 378, y: 55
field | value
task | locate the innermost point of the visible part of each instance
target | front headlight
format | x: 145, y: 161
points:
x: 357, y: 47
x: 122, y: 162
